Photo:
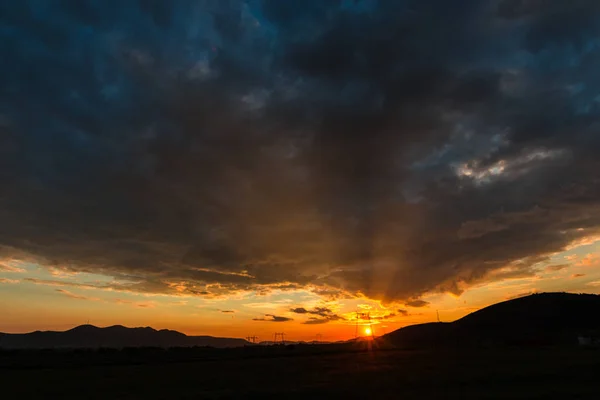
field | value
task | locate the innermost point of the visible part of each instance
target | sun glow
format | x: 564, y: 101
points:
x: 368, y: 331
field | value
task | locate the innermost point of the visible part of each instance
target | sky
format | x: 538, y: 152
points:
x: 237, y: 168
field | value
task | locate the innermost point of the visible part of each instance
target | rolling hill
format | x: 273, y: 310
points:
x: 536, y: 319
x: 89, y: 336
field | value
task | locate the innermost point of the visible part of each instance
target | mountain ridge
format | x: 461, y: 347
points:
x: 114, y: 336
x: 537, y: 318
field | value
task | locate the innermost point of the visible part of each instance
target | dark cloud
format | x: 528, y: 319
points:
x: 323, y: 320
x: 228, y: 311
x: 379, y: 149
x: 383, y: 317
x: 316, y: 321
x: 417, y: 303
x: 405, y: 313
x: 272, y: 318
x: 299, y: 310
x: 322, y: 311
x: 325, y: 313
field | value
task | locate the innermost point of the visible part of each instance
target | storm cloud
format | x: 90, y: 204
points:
x: 384, y: 149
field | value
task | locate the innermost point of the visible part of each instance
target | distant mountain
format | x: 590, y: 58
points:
x: 536, y: 319
x: 89, y: 336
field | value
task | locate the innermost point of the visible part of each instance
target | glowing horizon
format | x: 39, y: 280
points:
x: 63, y: 301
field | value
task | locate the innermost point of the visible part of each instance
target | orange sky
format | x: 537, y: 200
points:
x: 33, y: 297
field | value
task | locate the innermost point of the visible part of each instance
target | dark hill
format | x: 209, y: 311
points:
x: 89, y: 336
x: 536, y: 319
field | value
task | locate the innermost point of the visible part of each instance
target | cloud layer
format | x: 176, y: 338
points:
x: 377, y: 148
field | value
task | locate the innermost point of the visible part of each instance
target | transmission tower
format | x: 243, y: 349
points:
x: 252, y: 339
x: 279, y: 337
x: 319, y: 337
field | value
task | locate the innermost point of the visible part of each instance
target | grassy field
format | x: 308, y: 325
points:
x: 397, y: 374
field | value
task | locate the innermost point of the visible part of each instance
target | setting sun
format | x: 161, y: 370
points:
x: 368, y: 331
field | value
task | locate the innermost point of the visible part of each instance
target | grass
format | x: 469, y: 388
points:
x: 543, y: 373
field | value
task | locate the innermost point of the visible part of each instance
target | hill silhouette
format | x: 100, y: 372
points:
x: 89, y: 336
x: 543, y: 318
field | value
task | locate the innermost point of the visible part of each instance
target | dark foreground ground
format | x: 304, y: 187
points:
x: 549, y: 373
